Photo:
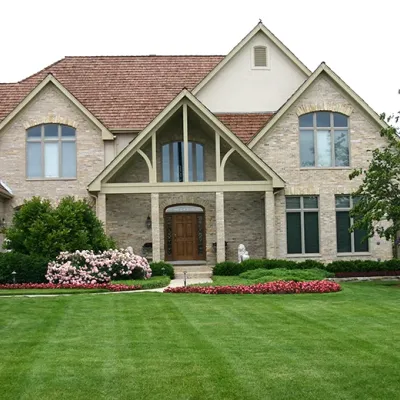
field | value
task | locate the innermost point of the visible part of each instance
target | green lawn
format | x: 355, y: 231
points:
x: 174, y: 346
x: 152, y: 283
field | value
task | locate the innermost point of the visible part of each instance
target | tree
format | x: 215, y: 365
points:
x: 378, y: 206
x: 41, y: 229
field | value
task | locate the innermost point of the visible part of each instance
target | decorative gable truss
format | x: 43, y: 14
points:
x: 186, y: 103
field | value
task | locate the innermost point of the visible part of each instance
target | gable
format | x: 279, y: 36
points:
x: 240, y: 87
x: 184, y: 100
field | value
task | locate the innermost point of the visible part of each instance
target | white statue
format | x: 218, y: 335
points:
x: 129, y: 249
x: 243, y: 254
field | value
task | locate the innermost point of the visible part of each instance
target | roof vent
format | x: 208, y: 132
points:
x: 260, y: 57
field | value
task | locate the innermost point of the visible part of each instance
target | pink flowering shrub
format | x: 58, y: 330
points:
x: 112, y: 287
x: 86, y: 267
x: 276, y: 287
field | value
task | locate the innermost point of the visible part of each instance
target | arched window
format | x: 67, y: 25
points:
x: 173, y: 160
x: 51, y: 151
x: 260, y: 57
x: 324, y: 139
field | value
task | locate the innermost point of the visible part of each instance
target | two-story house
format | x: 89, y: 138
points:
x: 194, y: 155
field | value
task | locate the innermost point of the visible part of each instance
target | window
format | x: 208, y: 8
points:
x: 302, y: 231
x: 348, y: 242
x: 260, y: 57
x: 173, y: 160
x: 51, y: 151
x: 324, y: 140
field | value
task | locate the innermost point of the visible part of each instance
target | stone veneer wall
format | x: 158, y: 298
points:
x: 244, y: 223
x: 126, y: 219
x: 280, y: 150
x: 50, y: 105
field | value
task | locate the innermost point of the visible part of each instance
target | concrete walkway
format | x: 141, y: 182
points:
x: 173, y: 283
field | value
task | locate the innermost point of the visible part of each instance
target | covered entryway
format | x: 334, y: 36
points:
x: 184, y: 233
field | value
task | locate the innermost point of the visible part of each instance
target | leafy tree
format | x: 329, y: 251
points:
x: 378, y: 207
x: 41, y: 229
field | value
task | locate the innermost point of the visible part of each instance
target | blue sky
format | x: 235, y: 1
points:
x: 358, y: 40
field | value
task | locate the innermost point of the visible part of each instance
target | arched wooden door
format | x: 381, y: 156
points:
x: 184, y: 233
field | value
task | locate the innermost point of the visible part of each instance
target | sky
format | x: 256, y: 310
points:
x: 358, y: 39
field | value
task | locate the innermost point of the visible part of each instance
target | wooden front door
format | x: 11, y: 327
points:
x: 184, y: 237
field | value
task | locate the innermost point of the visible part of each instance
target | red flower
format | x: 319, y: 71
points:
x: 277, y: 287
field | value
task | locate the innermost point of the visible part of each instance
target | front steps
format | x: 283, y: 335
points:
x: 193, y: 271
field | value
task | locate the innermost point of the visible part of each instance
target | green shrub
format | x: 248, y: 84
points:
x: 41, y: 229
x: 29, y: 269
x: 310, y: 264
x: 267, y: 275
x: 157, y: 269
x: 356, y: 266
x: 228, y: 268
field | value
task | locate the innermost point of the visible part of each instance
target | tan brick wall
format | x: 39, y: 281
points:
x: 126, y: 219
x: 244, y: 223
x: 48, y: 104
x: 280, y: 150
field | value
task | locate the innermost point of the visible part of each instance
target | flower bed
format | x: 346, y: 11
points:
x: 108, y: 286
x: 277, y: 287
x: 86, y: 267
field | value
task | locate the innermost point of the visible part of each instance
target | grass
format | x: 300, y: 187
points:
x: 152, y: 283
x: 8, y: 292
x: 170, y: 346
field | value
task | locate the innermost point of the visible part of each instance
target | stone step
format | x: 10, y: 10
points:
x: 193, y: 275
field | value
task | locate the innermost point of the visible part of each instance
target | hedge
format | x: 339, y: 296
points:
x: 230, y: 268
x: 339, y: 268
x: 29, y: 269
x: 157, y: 269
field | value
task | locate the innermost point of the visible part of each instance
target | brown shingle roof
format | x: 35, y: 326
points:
x: 121, y: 91
x: 245, y: 126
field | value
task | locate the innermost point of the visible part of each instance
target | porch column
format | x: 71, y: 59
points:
x: 220, y: 222
x: 269, y: 206
x: 155, y: 226
x: 101, y: 209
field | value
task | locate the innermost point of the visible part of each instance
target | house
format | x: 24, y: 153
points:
x: 190, y: 156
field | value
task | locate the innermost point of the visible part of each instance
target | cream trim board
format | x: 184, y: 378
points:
x: 258, y: 28
x: 323, y: 68
x: 187, y: 187
x: 106, y: 134
x: 185, y: 97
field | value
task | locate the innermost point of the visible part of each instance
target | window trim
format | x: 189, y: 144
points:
x: 42, y: 141
x: 332, y: 130
x: 302, y: 210
x: 352, y: 252
x: 171, y: 165
x: 267, y: 55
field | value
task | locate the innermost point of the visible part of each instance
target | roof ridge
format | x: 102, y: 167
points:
x: 147, y: 55
x: 42, y: 70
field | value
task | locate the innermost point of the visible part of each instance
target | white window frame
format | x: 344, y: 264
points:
x: 42, y: 140
x: 332, y: 129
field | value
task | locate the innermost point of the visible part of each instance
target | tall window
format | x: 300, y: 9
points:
x: 173, y: 160
x: 302, y: 231
x: 348, y: 242
x: 324, y: 140
x: 51, y: 151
